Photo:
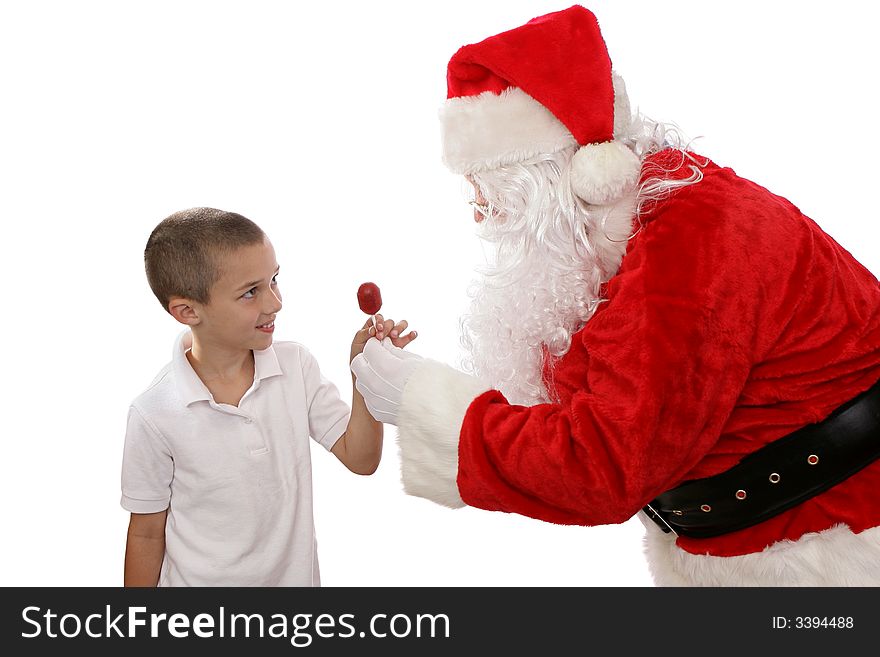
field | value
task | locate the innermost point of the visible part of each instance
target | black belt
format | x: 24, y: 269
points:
x: 776, y: 477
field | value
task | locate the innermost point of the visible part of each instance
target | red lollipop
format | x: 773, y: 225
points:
x: 369, y: 298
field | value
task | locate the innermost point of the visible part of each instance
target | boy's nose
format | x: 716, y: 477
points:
x: 274, y: 301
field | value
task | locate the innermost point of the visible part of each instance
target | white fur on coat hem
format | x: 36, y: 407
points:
x: 435, y: 400
x: 834, y: 557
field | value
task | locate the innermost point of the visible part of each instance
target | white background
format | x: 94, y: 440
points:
x: 319, y: 122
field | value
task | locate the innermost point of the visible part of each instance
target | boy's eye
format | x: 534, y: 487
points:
x: 275, y: 279
x: 249, y: 294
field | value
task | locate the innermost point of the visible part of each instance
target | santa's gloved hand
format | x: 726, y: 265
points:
x: 381, y: 373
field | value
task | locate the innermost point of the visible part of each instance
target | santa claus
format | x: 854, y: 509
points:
x: 656, y: 336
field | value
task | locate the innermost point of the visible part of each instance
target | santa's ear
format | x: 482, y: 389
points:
x: 185, y: 311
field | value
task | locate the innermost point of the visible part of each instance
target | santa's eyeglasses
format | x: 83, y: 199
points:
x: 484, y: 209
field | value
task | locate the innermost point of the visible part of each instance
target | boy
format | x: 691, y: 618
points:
x: 216, y: 469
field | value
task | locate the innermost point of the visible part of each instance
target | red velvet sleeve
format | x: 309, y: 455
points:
x: 703, y: 291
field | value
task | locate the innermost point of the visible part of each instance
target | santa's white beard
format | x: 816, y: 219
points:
x: 541, y: 288
x: 552, y: 255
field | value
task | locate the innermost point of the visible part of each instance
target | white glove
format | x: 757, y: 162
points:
x: 382, y: 371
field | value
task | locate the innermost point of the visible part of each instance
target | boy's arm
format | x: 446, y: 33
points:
x: 360, y: 447
x: 145, y: 548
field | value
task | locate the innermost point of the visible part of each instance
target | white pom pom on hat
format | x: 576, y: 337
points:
x: 537, y: 89
x: 602, y: 173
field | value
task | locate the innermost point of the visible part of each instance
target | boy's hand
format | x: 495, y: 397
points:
x: 386, y: 328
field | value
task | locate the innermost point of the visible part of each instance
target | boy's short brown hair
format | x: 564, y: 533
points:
x: 182, y: 256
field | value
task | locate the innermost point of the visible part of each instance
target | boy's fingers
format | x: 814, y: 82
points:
x: 384, y: 327
x: 387, y: 327
x: 404, y: 340
x: 399, y: 328
x: 379, y: 323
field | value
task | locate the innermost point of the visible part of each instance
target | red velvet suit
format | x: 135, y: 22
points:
x: 732, y: 321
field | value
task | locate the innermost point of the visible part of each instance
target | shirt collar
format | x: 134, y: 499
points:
x: 193, y: 389
x: 266, y: 363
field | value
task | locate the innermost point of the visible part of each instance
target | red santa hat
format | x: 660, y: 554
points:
x: 537, y: 89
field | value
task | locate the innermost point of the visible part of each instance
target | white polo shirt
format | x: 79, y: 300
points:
x: 236, y: 481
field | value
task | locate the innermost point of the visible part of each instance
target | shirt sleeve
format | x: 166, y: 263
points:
x: 328, y: 413
x: 656, y: 372
x: 147, y: 467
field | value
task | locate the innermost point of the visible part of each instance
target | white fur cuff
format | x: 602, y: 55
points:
x: 435, y: 400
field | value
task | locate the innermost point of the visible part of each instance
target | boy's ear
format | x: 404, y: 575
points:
x: 184, y: 311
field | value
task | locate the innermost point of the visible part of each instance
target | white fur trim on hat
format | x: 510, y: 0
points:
x: 602, y: 173
x: 622, y: 110
x: 432, y: 409
x: 490, y: 130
